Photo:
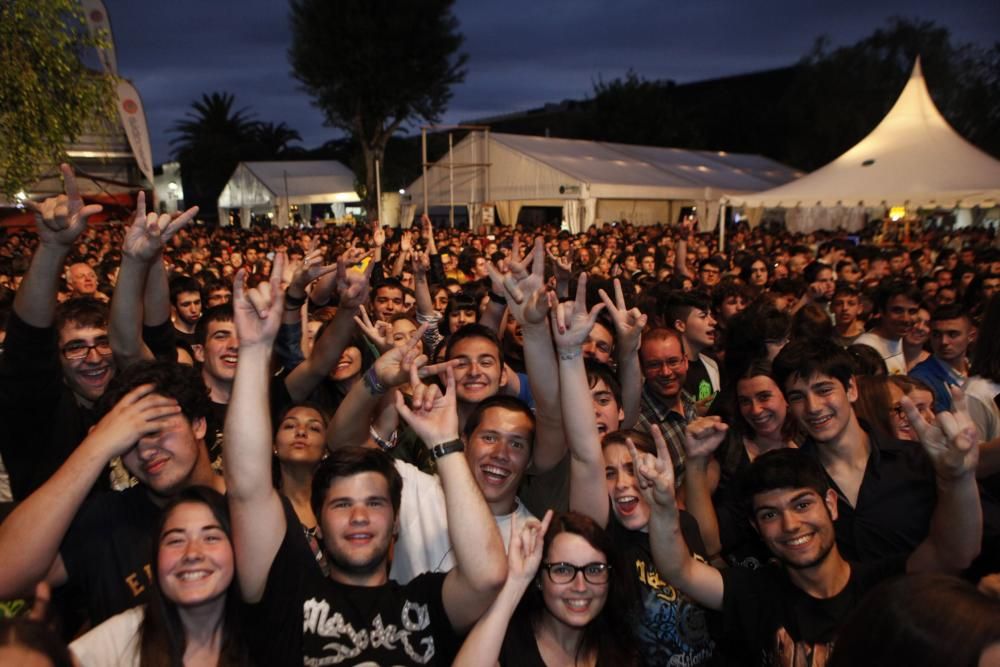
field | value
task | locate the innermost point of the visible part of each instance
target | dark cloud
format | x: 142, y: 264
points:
x: 522, y: 53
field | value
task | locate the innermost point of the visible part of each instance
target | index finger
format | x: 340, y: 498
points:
x: 277, y: 270
x: 140, y: 206
x: 69, y: 181
x: 915, y: 418
x: 619, y: 294
x: 239, y: 285
x: 662, y: 451
x: 538, y: 258
x: 580, y: 303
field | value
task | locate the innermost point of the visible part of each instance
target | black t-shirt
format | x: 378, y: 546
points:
x: 757, y: 603
x: 305, y: 618
x: 673, y: 629
x: 107, y: 552
x: 698, y: 383
x: 216, y: 419
x: 519, y: 646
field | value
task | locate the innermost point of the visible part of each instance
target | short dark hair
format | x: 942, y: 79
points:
x: 893, y: 288
x: 598, y: 371
x: 221, y: 313
x: 83, y: 311
x: 950, y: 311
x: 390, y: 282
x: 169, y: 379
x: 677, y: 305
x: 182, y: 284
x: 810, y: 274
x: 349, y: 461
x: 807, y: 357
x: 785, y: 468
x: 511, y: 403
x: 473, y: 331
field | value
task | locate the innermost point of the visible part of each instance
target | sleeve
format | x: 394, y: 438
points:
x: 744, y: 603
x: 288, y: 345
x: 428, y: 588
x: 160, y: 340
x: 436, y: 274
x: 525, y: 394
x: 113, y: 643
x: 432, y: 337
x: 29, y: 364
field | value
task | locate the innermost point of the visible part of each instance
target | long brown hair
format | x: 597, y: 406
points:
x: 161, y: 636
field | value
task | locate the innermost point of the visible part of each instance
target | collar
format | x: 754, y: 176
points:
x: 663, y: 411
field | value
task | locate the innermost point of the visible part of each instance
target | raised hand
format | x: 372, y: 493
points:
x: 420, y: 263
x: 393, y: 367
x: 353, y: 286
x: 527, y: 546
x: 952, y: 444
x: 257, y: 311
x: 703, y: 436
x: 60, y: 220
x: 629, y: 322
x: 378, y: 332
x: 563, y: 264
x: 434, y: 416
x: 405, y: 242
x: 378, y: 234
x: 571, y: 323
x: 149, y: 232
x: 309, y: 269
x: 525, y: 291
x: 655, y: 474
x: 139, y: 413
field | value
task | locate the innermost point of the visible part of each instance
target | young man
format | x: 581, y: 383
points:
x: 952, y: 331
x: 689, y: 314
x: 820, y: 285
x: 791, y: 611
x: 387, y: 299
x: 886, y: 490
x: 303, y: 617
x: 185, y: 298
x: 154, y: 418
x: 846, y: 309
x: 897, y: 303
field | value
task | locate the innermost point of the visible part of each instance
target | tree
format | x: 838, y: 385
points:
x: 372, y: 66
x: 49, y: 97
x: 211, y: 140
x: 274, y: 140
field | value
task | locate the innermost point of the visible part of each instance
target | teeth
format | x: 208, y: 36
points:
x: 799, y: 540
x: 627, y: 500
x: 192, y: 576
x: 577, y: 604
x: 496, y: 472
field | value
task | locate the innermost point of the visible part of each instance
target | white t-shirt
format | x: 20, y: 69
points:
x: 423, y: 544
x: 979, y: 393
x: 113, y: 643
x: 891, y: 351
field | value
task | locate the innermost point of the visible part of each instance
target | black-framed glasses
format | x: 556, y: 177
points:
x: 563, y: 573
x: 80, y: 350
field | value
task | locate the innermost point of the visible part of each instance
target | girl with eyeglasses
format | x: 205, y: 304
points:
x: 566, y: 601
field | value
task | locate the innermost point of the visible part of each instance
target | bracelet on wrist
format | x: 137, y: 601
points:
x: 293, y: 302
x: 372, y: 384
x: 384, y: 444
x: 496, y: 298
x: 445, y: 448
x: 567, y: 355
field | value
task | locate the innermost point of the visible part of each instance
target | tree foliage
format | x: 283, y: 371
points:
x: 49, y: 97
x: 373, y: 66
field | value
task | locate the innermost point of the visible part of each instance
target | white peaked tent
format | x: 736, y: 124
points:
x: 590, y: 180
x: 272, y: 187
x: 913, y: 158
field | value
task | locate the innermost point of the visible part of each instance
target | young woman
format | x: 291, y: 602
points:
x: 916, y: 340
x: 192, y: 619
x: 565, y: 601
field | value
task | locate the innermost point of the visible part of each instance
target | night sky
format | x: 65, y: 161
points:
x: 522, y: 53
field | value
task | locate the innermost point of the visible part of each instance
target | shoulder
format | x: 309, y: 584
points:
x: 113, y: 642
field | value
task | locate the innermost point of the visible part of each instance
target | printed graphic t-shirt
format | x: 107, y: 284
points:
x: 307, y: 619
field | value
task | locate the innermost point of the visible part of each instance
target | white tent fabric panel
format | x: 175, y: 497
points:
x: 636, y: 211
x: 245, y: 190
x: 912, y: 158
x: 256, y: 184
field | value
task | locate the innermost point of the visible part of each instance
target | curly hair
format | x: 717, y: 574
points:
x: 170, y: 379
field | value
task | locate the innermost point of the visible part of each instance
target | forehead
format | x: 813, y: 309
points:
x: 360, y: 485
x: 756, y: 384
x: 782, y: 497
x: 189, y: 516
x: 216, y: 326
x: 505, y: 420
x: 403, y: 325
x: 475, y: 346
x: 575, y: 549
x: 303, y: 412
x: 74, y: 331
x: 799, y: 382
x: 661, y: 347
x: 601, y: 332
x: 388, y: 291
x: 617, y: 455
x: 946, y: 325
x: 901, y: 301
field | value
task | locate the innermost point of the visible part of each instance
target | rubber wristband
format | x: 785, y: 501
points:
x: 446, y: 448
x: 374, y: 387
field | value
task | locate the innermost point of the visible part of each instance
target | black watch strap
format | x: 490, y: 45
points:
x: 445, y: 448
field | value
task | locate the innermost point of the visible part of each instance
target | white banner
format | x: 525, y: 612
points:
x: 97, y: 23
x: 134, y: 121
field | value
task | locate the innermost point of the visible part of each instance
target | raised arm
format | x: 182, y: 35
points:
x: 257, y: 515
x: 680, y: 250
x: 421, y: 290
x: 59, y: 221
x: 483, y: 644
x: 480, y: 561
x: 956, y: 530
x: 571, y: 324
x: 655, y: 476
x: 629, y: 323
x: 702, y: 437
x: 353, y: 288
x: 31, y: 535
x: 528, y: 301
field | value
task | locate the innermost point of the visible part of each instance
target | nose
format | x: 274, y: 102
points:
x: 811, y: 404
x: 93, y: 356
x: 789, y: 522
x: 192, y: 551
x: 579, y: 583
x: 359, y: 515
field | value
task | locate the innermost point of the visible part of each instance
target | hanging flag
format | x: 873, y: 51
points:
x: 99, y: 24
x: 134, y: 121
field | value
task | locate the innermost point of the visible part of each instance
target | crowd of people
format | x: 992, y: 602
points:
x: 363, y: 445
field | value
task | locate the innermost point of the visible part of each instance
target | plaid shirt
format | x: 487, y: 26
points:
x: 672, y: 424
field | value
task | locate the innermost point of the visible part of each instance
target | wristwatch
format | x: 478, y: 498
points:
x: 446, y: 448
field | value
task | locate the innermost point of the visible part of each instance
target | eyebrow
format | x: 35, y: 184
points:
x: 182, y: 531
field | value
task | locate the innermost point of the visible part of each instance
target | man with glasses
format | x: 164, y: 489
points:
x: 665, y: 403
x: 57, y: 359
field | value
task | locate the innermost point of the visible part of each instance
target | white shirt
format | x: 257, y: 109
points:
x: 891, y: 351
x: 113, y: 643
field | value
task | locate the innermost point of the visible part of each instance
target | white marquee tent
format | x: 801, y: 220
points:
x: 913, y: 158
x: 591, y: 181
x: 272, y: 187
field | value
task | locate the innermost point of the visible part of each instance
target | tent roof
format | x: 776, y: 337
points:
x: 306, y: 179
x: 600, y: 163
x: 912, y: 158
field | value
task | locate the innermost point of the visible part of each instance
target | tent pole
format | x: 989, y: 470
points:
x: 378, y: 189
x: 451, y: 183
x: 722, y: 226
x: 423, y: 149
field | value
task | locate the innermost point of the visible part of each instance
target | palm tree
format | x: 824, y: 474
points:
x: 274, y: 140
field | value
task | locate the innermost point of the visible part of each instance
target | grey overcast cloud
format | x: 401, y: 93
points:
x: 522, y: 53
